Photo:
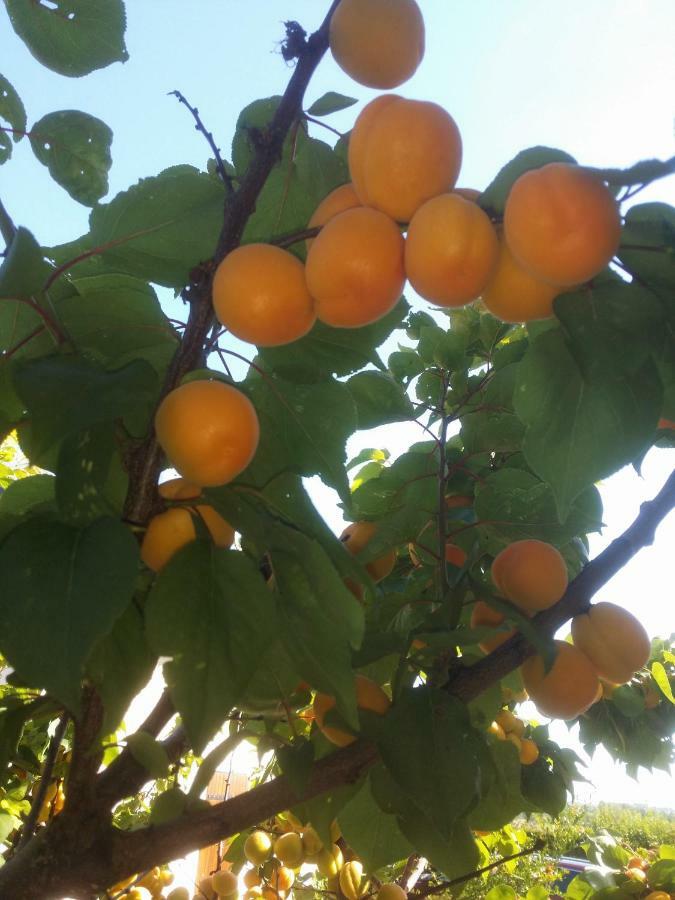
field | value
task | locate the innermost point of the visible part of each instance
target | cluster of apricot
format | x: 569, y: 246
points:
x: 508, y: 727
x: 149, y: 886
x: 608, y: 642
x: 277, y: 858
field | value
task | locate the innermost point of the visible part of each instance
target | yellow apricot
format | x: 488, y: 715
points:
x: 567, y: 689
x: 339, y: 200
x: 257, y: 847
x: 378, y: 43
x: 391, y: 891
x: 329, y: 861
x: 289, y: 849
x: 451, y: 250
x: 496, y: 729
x: 513, y: 295
x: 224, y: 883
x: 613, y: 640
x: 402, y: 153
x: 369, y: 696
x: 167, y: 532
x: 356, y: 536
x: 531, y: 574
x: 529, y: 752
x: 352, y: 883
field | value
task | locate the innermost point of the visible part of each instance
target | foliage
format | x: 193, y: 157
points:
x: 518, y: 420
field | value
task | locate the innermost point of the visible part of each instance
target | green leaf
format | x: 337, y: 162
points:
x: 501, y: 800
x: 379, y: 400
x: 71, y: 37
x: 660, y: 676
x: 83, y: 472
x: 120, y: 665
x: 537, y: 892
x: 629, y: 700
x: 373, y: 834
x: 23, y: 273
x: 321, y: 811
x: 303, y: 429
x: 12, y: 109
x: 579, y: 889
x: 667, y: 851
x: 406, y: 364
x: 429, y: 724
x: 61, y: 590
x: 296, y: 763
x: 502, y: 892
x: 115, y: 319
x: 163, y: 226
x: 544, y: 789
x: 12, y: 722
x: 253, y: 119
x: 167, y: 806
x: 80, y: 395
x: 8, y: 823
x: 581, y: 426
x: 330, y: 103
x: 648, y: 244
x: 26, y: 497
x: 75, y: 147
x: 317, y: 634
x: 493, y: 198
x: 662, y: 875
x: 5, y: 147
x: 215, y: 638
x: 148, y: 753
x: 294, y: 189
x: 329, y: 351
x: 516, y: 505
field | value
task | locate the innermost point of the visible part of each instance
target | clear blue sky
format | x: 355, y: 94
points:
x: 594, y: 77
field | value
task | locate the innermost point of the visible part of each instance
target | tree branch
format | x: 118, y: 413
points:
x: 145, y: 463
x: 7, y: 227
x: 199, y: 126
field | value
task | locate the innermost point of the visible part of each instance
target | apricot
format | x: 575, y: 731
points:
x: 531, y: 574
x: 513, y: 295
x: 455, y: 555
x: 339, y: 200
x: 468, y: 193
x: 665, y: 425
x: 451, y: 250
x: 510, y: 723
x: 352, y: 883
x: 178, y: 489
x: 658, y: 895
x: 402, y: 153
x: 329, y: 861
x: 567, y: 689
x: 529, y: 752
x: 311, y: 842
x: 257, y: 847
x: 613, y: 640
x: 289, y: 850
x: 369, y: 695
x: 224, y: 883
x: 483, y: 615
x: 260, y: 295
x: 562, y: 224
x: 496, y: 729
x: 356, y: 537
x: 167, y: 532
x: 378, y: 43
x: 252, y: 878
x: 391, y: 891
x: 458, y: 501
x: 282, y: 879
x: 355, y: 268
x: 208, y: 430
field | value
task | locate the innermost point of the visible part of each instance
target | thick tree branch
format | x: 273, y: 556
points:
x: 145, y: 463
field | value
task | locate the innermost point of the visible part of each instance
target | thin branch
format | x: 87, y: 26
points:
x: 321, y: 124
x: 444, y: 885
x: 7, y: 226
x: 295, y: 237
x: 199, y: 126
x: 45, y: 778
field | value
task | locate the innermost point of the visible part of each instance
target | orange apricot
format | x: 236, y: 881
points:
x: 529, y: 752
x: 451, y: 250
x: 454, y: 501
x: 379, y: 43
x: 513, y: 295
x: 531, y: 574
x: 483, y: 615
x: 369, y: 696
x: 356, y: 536
x: 613, y: 640
x: 178, y: 489
x: 665, y: 425
x: 260, y: 295
x: 562, y: 224
x: 567, y: 689
x: 455, y: 555
x: 339, y: 200
x: 468, y: 193
x: 208, y: 430
x: 355, y: 268
x: 402, y: 153
x: 167, y: 532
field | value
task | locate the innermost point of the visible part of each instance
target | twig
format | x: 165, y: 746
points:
x: 45, y: 779
x: 442, y: 475
x: 321, y: 124
x: 199, y: 126
x: 294, y: 237
x: 444, y: 885
x: 7, y: 227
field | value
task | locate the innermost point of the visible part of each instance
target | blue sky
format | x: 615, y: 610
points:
x: 594, y: 78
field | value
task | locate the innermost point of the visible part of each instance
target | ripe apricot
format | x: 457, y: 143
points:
x: 355, y: 268
x: 665, y: 425
x: 224, y: 883
x: 257, y: 847
x: 352, y: 883
x: 458, y: 501
x: 208, y: 430
x: 658, y: 895
x: 515, y: 740
x: 260, y: 295
x: 562, y: 224
x: 282, y: 879
x: 451, y: 250
x: 369, y: 695
x: 468, y: 193
x: 496, y: 729
x: 531, y: 574
x: 455, y: 555
x: 252, y: 878
x: 339, y: 200
x: 167, y: 532
x: 311, y: 843
x: 484, y: 615
x: 289, y: 849
x: 567, y: 689
x: 356, y: 536
x: 379, y: 43
x: 513, y: 295
x: 402, y: 153
x: 510, y: 723
x: 529, y: 752
x: 178, y: 489
x: 391, y: 891
x: 613, y: 640
x: 329, y: 861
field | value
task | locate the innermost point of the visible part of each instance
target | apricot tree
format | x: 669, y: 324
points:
x: 550, y: 365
